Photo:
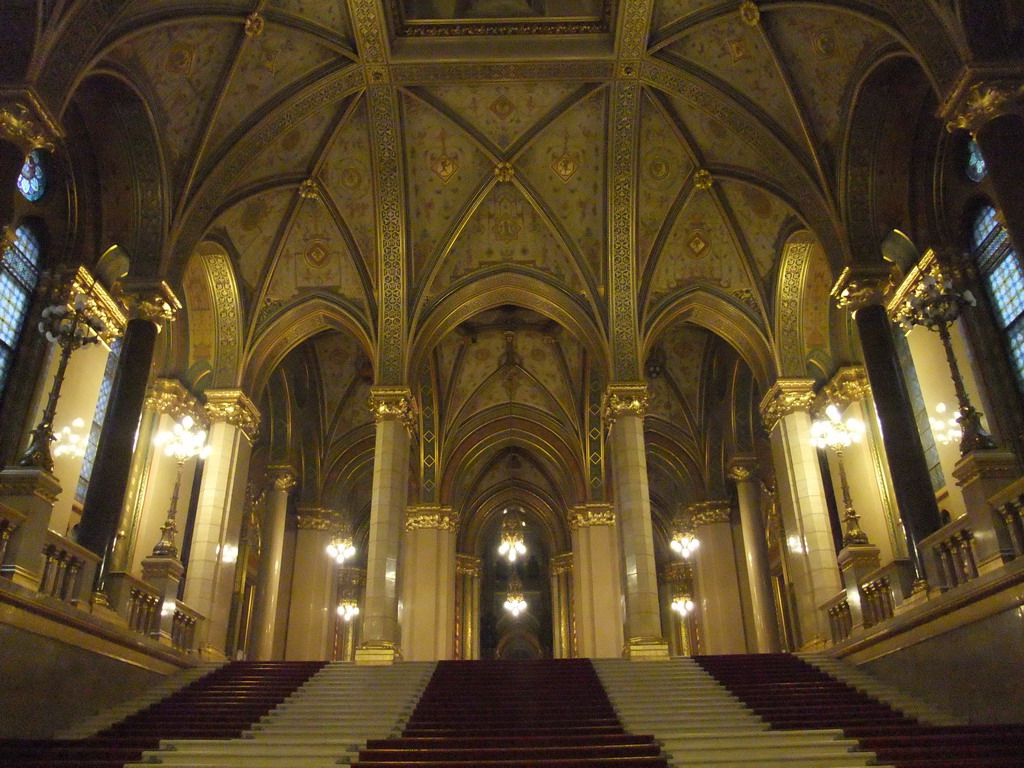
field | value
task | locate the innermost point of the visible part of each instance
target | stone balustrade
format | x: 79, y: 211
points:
x: 949, y: 555
x: 840, y: 617
x: 1009, y: 503
x: 10, y: 519
x: 68, y: 568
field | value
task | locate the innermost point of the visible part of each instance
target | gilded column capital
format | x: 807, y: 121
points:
x: 281, y: 477
x: 171, y: 397
x: 315, y: 519
x: 561, y: 564
x: 431, y: 516
x: 593, y: 513
x: 467, y: 565
x: 151, y: 300
x: 741, y: 468
x: 233, y: 406
x: 709, y: 512
x: 982, y: 93
x: 862, y: 285
x: 393, y: 404
x: 848, y: 385
x: 24, y: 126
x: 786, y: 396
x: 625, y: 399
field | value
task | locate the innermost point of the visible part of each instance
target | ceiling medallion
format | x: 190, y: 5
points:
x: 254, y: 25
x: 445, y: 167
x: 703, y: 180
x: 502, y: 107
x: 658, y: 168
x: 179, y: 59
x: 750, y: 13
x: 825, y: 44
x: 565, y: 167
x: 698, y: 244
x: 308, y: 190
x: 738, y: 50
x: 317, y: 254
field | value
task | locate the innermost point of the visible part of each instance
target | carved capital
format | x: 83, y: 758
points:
x: 786, y: 396
x: 169, y: 396
x: 982, y: 93
x: 282, y: 477
x: 848, y: 385
x: 594, y: 513
x: 151, y: 300
x: 862, y: 286
x: 741, y: 468
x: 561, y: 564
x: 20, y: 125
x: 431, y: 516
x: 233, y: 406
x: 315, y: 519
x: 467, y: 565
x: 626, y: 399
x: 708, y: 513
x: 393, y: 404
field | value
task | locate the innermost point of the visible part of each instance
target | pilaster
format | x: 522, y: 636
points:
x: 428, y: 583
x: 598, y: 580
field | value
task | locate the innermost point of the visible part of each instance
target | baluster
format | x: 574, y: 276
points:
x: 967, y: 553
x: 5, y: 535
x: 70, y: 589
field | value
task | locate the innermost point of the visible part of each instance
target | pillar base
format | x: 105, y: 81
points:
x: 31, y: 492
x: 982, y: 474
x: 646, y: 649
x: 380, y: 655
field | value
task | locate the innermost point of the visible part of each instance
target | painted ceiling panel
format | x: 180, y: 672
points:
x: 715, y: 142
x: 566, y: 165
x: 444, y: 166
x: 347, y: 176
x: 336, y: 356
x: 685, y: 347
x: 667, y: 11
x: 503, y: 112
x: 332, y: 14
x: 253, y: 226
x: 761, y: 217
x: 664, y: 167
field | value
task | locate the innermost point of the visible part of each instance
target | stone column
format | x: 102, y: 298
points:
x: 623, y: 412
x: 598, y: 581
x: 863, y: 292
x: 988, y: 101
x: 395, y: 413
x: 150, y: 304
x: 720, y: 611
x: 467, y: 600
x: 311, y: 611
x: 234, y: 422
x: 282, y: 479
x: 561, y: 606
x: 428, y: 583
x: 808, y: 547
x: 743, y: 471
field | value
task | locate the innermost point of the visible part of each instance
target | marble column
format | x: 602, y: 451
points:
x: 863, y: 292
x: 562, y: 619
x: 467, y: 601
x: 808, y: 547
x: 623, y: 412
x: 209, y: 580
x: 597, y: 566
x: 311, y: 610
x: 428, y: 583
x: 719, y: 609
x: 394, y: 411
x: 282, y: 480
x: 150, y: 304
x: 742, y: 470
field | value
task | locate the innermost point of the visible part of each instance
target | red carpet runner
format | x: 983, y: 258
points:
x: 219, y: 705
x: 514, y: 714
x: 790, y: 694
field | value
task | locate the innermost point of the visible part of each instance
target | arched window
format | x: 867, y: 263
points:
x: 32, y: 180
x: 976, y: 170
x: 1000, y: 265
x: 19, y: 274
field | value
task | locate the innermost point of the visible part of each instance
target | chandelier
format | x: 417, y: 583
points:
x: 348, y: 609
x: 512, y: 542
x: 682, y: 604
x: 69, y: 441
x: 684, y: 542
x: 515, y: 602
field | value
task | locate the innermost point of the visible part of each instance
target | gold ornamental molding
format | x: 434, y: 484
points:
x: 594, y: 513
x: 626, y: 399
x: 20, y: 125
x: 80, y: 280
x: 281, y: 477
x: 983, y: 93
x: 709, y: 512
x: 862, y: 286
x: 678, y: 573
x: 750, y: 14
x: 848, y: 385
x: 561, y: 564
x: 316, y: 519
x: 786, y: 396
x: 151, y: 300
x: 431, y: 516
x: 255, y: 24
x: 741, y: 468
x: 393, y: 404
x: 233, y: 406
x: 171, y: 397
x: 927, y: 267
x: 467, y: 565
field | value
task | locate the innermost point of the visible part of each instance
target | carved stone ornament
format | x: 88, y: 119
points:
x: 504, y: 172
x: 595, y: 513
x: 431, y: 516
x: 982, y: 94
x: 68, y: 284
x: 169, y: 396
x: 281, y: 476
x: 151, y: 300
x: 308, y: 190
x: 393, y: 404
x: 862, y: 286
x: 703, y: 180
x: 254, y: 24
x: 631, y: 399
x: 709, y: 513
x: 18, y: 126
x: 750, y: 13
x: 467, y: 565
x: 561, y: 564
x: 233, y: 406
x: 315, y: 519
x: 848, y: 385
x: 786, y: 396
x: 741, y: 468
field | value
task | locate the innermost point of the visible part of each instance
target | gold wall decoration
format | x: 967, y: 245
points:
x: 862, y: 286
x: 786, y: 396
x: 151, y: 300
x: 789, y: 306
x: 69, y: 283
x: 594, y: 513
x: 741, y: 468
x: 561, y: 564
x: 282, y: 477
x: 234, y: 407
x: 982, y: 93
x: 708, y: 512
x: 848, y: 385
x: 21, y: 128
x: 480, y: 72
x: 431, y: 516
x: 171, y: 397
x: 316, y: 519
x: 678, y: 573
x: 467, y: 565
x: 927, y: 267
x: 393, y: 404
x: 627, y: 399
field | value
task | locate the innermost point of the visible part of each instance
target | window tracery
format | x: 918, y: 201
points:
x: 19, y: 274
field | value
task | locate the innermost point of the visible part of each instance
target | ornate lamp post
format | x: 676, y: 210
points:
x: 935, y: 304
x: 833, y: 433
x: 71, y: 326
x: 182, y: 443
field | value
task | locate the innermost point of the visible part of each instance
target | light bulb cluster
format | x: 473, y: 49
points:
x: 348, y: 609
x: 683, y: 605
x: 341, y: 549
x: 684, y: 543
x: 832, y: 432
x: 71, y: 325
x: 184, y: 441
x: 935, y: 302
x: 69, y: 442
x: 946, y: 429
x: 512, y: 542
x: 515, y: 602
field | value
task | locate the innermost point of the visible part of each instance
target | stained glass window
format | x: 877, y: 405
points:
x: 976, y: 170
x: 1000, y: 265
x: 19, y: 273
x: 97, y: 421
x: 32, y: 180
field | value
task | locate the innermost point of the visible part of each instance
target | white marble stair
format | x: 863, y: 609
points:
x: 699, y: 723
x: 324, y: 723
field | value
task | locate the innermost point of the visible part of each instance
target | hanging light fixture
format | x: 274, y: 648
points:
x: 348, y: 609
x: 515, y: 601
x: 946, y: 428
x: 684, y: 542
x: 512, y: 542
x: 341, y: 547
x: 682, y: 604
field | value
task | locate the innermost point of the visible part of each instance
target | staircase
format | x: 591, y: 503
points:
x: 527, y: 714
x: 699, y: 723
x: 790, y: 694
x: 219, y: 705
